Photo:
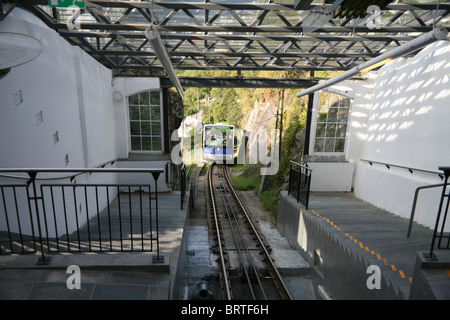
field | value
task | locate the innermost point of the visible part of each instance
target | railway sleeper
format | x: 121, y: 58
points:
x: 240, y: 273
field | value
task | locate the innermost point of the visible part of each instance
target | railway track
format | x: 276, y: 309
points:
x: 247, y: 270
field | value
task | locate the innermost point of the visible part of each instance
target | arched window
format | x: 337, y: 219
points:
x: 145, y: 121
x: 331, y: 123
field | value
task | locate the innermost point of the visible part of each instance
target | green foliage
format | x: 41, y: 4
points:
x: 229, y: 105
x: 270, y: 200
x: 242, y: 183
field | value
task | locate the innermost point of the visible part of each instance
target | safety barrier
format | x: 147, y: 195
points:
x: 38, y: 215
x: 300, y: 182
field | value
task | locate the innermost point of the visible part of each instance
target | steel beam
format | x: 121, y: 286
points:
x: 235, y: 36
x: 412, y: 46
x: 228, y: 82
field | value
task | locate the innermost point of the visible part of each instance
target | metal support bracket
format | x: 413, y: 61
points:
x: 44, y: 261
x: 158, y: 259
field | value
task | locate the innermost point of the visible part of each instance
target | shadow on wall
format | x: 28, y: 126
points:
x: 408, y: 116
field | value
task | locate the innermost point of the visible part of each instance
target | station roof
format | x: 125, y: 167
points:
x: 240, y: 35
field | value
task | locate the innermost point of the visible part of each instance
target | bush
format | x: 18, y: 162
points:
x: 270, y: 200
x: 245, y: 183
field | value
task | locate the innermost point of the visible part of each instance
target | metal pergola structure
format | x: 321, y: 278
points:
x: 240, y: 35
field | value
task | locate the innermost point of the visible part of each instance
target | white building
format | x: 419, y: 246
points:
x: 64, y: 109
x: 397, y: 117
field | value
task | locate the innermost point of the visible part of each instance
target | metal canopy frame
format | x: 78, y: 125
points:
x: 236, y: 36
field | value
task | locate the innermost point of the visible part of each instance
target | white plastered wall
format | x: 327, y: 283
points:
x: 337, y: 175
x: 408, y: 125
x: 75, y: 96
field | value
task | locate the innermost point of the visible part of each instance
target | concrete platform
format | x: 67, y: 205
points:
x: 103, y: 276
x: 341, y: 236
x: 199, y: 264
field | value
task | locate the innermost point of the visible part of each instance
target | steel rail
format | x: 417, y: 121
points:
x: 273, y: 271
x: 231, y: 215
x: 224, y: 273
x: 271, y: 268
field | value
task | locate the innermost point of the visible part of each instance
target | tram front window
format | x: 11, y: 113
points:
x: 222, y: 137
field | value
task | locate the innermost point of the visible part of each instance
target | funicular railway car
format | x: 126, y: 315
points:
x: 218, y: 142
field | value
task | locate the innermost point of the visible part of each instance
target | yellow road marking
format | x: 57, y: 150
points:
x: 393, y: 267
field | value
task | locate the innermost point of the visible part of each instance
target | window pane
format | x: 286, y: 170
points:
x: 318, y: 145
x: 134, y: 113
x: 329, y: 145
x: 156, y: 143
x: 154, y: 98
x: 320, y: 131
x: 331, y: 130
x: 134, y: 99
x: 339, y: 145
x: 345, y: 103
x: 144, y: 98
x: 146, y: 143
x: 334, y: 100
x: 145, y: 128
x: 341, y: 130
x: 156, y: 128
x: 343, y: 115
x: 156, y: 114
x: 332, y: 115
x: 145, y: 121
x: 322, y: 115
x: 135, y: 128
x: 145, y: 113
x: 135, y: 143
x: 331, y: 125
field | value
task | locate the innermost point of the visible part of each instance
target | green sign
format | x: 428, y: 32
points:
x: 66, y: 3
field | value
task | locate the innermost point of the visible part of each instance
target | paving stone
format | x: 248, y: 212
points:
x: 120, y: 292
x: 59, y: 291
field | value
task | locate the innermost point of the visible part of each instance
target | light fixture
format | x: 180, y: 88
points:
x: 155, y: 41
x: 17, y: 49
x: 117, y: 96
x: 430, y: 37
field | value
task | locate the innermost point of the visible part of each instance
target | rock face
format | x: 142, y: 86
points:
x: 296, y: 149
x: 261, y: 116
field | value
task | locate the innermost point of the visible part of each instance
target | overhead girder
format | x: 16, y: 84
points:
x: 235, y: 36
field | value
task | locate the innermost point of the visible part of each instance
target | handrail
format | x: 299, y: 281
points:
x: 176, y: 178
x: 411, y: 170
x: 299, y: 182
x: 37, y: 208
x: 413, y: 209
x: 301, y: 165
x: 32, y: 172
x: 111, y: 162
x: 430, y: 255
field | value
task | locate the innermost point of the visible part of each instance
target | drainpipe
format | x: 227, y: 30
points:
x: 439, y: 33
x: 308, y: 120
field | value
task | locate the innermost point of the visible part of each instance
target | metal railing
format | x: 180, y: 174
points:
x: 440, y: 234
x: 40, y: 216
x: 439, y: 229
x: 176, y: 179
x: 411, y: 170
x: 300, y: 182
x: 416, y: 197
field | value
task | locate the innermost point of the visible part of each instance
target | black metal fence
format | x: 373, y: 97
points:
x: 441, y: 237
x: 300, y: 182
x: 39, y: 216
x: 176, y: 179
x: 439, y: 234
